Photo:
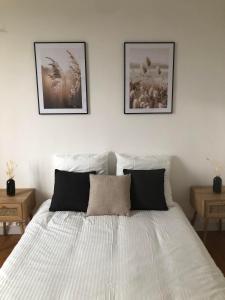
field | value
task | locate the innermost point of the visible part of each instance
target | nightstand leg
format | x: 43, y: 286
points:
x: 205, y: 229
x: 220, y: 224
x: 194, y: 218
x: 4, y: 228
x: 22, y: 227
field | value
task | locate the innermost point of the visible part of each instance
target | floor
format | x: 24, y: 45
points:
x: 215, y: 244
x: 7, y: 243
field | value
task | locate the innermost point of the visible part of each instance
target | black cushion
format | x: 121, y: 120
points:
x: 71, y: 191
x: 147, y: 189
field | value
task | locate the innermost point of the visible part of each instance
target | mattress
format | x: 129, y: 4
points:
x: 149, y: 255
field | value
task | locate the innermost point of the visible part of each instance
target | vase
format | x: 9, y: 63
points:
x: 10, y: 187
x: 217, y: 184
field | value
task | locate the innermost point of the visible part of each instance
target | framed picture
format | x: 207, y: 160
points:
x: 148, y: 77
x: 61, y: 77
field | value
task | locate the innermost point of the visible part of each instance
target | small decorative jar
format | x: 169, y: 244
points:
x: 10, y: 183
x: 10, y: 187
x: 217, y: 184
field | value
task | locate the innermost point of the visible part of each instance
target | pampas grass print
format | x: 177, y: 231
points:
x: 62, y: 88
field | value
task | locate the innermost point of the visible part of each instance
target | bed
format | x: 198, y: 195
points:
x: 149, y: 255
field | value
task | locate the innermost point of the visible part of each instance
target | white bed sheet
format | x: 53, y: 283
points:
x: 150, y: 255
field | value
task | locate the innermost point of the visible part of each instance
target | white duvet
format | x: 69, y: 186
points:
x: 150, y: 255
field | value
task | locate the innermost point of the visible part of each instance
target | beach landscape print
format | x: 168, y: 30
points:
x: 61, y: 77
x: 148, y: 77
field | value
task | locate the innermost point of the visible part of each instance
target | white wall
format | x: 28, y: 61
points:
x: 193, y: 132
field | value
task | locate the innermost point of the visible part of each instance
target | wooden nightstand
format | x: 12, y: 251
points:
x: 208, y: 205
x: 17, y: 208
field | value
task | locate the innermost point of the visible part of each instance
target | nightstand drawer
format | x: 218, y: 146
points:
x: 10, y: 212
x: 215, y: 209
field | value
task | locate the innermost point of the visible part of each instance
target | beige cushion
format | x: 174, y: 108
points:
x: 109, y: 195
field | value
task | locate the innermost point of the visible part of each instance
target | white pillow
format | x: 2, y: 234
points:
x: 147, y: 163
x: 81, y: 162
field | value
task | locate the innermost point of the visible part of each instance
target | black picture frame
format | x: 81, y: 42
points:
x: 74, y: 78
x: 149, y: 92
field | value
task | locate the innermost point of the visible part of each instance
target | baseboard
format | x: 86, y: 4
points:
x: 13, y: 228
x: 212, y: 226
